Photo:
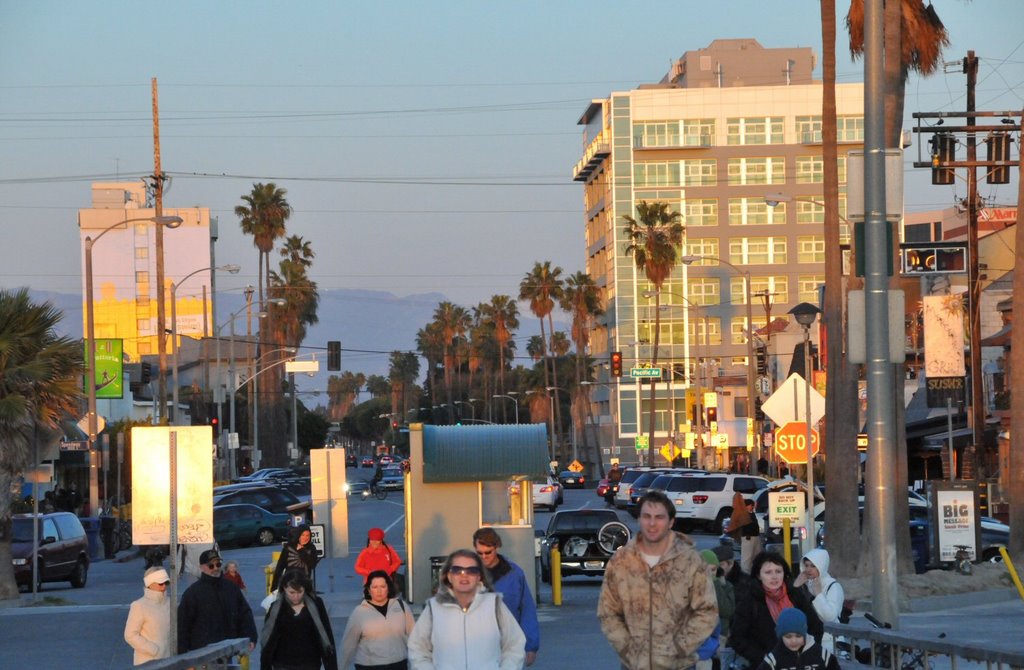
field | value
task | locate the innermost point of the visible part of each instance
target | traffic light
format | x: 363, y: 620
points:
x: 712, y: 415
x: 215, y: 424
x: 334, y: 355
x: 761, y: 357
x: 998, y: 150
x: 616, y: 363
x: 758, y: 411
x: 394, y: 425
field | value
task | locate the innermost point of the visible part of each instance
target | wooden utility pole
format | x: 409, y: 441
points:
x: 973, y: 281
x: 161, y: 321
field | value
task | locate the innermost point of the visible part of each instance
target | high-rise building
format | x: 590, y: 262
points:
x: 124, y: 267
x: 731, y: 139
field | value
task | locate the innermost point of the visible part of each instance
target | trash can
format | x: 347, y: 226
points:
x: 436, y: 563
x: 92, y: 532
x: 108, y: 535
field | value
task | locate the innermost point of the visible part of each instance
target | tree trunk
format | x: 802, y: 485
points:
x: 654, y: 382
x: 554, y: 382
x: 547, y: 383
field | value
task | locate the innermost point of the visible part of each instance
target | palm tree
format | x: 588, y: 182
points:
x: 542, y: 287
x: 263, y: 216
x: 503, y: 313
x: 655, y: 238
x: 40, y: 384
x: 296, y: 300
x: 403, y: 369
x: 429, y: 342
x: 582, y: 299
x: 343, y: 392
x: 453, y: 321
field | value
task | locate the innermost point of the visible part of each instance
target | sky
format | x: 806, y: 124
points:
x: 425, y: 147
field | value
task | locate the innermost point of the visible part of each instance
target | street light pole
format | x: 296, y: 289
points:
x: 90, y: 334
x: 233, y: 269
x: 511, y: 396
x: 805, y: 314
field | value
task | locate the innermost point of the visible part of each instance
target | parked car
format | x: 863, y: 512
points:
x: 368, y: 462
x: 586, y: 538
x: 392, y: 478
x: 267, y: 473
x: 246, y: 524
x: 547, y: 494
x: 272, y: 499
x: 640, y: 487
x: 571, y: 480
x: 63, y: 552
x: 711, y: 503
x: 351, y: 460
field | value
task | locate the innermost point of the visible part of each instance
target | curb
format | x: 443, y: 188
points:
x: 957, y: 600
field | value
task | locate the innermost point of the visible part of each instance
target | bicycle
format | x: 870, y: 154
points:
x: 887, y: 655
x: 962, y: 560
x: 379, y: 491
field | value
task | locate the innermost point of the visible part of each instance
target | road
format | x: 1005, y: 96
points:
x: 87, y: 624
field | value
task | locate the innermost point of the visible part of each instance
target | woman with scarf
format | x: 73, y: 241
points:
x: 757, y: 608
x: 297, y: 632
x: 298, y: 553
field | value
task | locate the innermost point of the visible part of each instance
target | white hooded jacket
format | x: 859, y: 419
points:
x: 828, y: 593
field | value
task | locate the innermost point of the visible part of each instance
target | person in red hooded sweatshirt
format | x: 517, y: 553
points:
x: 378, y: 555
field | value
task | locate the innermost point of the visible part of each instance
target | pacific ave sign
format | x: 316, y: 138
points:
x: 791, y: 442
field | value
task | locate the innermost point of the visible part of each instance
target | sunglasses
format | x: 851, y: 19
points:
x: 464, y: 570
x: 213, y: 565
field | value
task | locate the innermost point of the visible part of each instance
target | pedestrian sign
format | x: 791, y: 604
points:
x: 670, y: 451
x: 642, y: 442
x: 576, y: 466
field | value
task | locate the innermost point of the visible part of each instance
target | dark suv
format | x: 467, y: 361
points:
x: 63, y: 549
x: 269, y: 498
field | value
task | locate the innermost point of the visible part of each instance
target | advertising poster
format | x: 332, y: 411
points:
x: 944, y: 336
x: 151, y: 484
x: 956, y: 515
x: 109, y: 374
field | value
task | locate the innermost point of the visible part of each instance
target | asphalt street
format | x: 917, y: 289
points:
x: 87, y: 624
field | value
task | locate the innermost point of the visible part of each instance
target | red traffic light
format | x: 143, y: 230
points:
x: 616, y: 364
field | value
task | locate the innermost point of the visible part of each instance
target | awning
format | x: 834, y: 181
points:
x: 1000, y: 338
x: 484, y: 453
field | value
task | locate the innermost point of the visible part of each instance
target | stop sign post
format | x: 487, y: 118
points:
x: 791, y: 442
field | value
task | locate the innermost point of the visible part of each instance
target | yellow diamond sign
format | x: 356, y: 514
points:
x: 670, y: 451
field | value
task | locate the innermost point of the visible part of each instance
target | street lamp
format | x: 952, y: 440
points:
x: 805, y: 313
x: 256, y: 398
x: 90, y: 334
x: 751, y: 371
x: 472, y: 411
x: 233, y: 269
x: 511, y: 395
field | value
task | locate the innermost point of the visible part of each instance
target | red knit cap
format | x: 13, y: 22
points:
x: 376, y: 534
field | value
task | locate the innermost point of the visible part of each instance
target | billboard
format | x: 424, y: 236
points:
x: 108, y: 376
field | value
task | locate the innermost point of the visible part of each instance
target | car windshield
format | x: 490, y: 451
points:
x: 592, y: 522
x: 630, y: 476
x: 392, y: 472
x: 645, y: 479
x: 661, y: 482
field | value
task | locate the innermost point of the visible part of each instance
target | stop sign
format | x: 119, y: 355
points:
x: 791, y: 442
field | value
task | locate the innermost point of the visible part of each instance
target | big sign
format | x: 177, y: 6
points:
x: 791, y: 442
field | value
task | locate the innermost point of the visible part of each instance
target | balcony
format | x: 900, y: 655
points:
x: 598, y: 150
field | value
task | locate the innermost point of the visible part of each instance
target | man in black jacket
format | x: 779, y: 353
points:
x: 213, y: 609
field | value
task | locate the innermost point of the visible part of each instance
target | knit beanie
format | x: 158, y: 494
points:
x: 709, y: 557
x: 725, y: 552
x: 376, y: 534
x: 791, y: 620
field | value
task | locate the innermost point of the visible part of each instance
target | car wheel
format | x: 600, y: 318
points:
x: 723, y: 516
x: 265, y: 537
x: 80, y: 574
x: 551, y: 508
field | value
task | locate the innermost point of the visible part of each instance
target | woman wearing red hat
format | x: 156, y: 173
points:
x: 378, y: 555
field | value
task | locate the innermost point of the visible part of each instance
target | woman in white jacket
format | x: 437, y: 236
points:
x: 466, y: 625
x: 148, y: 629
x: 826, y: 592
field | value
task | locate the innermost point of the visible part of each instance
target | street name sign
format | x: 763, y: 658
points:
x: 645, y: 373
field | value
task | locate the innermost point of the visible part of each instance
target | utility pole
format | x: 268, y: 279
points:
x: 973, y: 282
x: 161, y: 321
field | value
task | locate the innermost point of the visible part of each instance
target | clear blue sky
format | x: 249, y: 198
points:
x: 424, y: 146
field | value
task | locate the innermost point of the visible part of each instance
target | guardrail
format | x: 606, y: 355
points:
x: 901, y: 651
x: 217, y: 656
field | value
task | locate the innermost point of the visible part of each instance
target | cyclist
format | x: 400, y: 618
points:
x: 378, y: 474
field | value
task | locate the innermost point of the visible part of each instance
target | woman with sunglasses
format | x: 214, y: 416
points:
x: 377, y: 633
x: 297, y: 631
x: 148, y: 629
x: 466, y: 625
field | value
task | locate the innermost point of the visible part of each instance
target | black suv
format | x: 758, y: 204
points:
x: 63, y: 549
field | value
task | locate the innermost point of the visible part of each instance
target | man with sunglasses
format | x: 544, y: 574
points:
x: 510, y: 581
x: 213, y: 609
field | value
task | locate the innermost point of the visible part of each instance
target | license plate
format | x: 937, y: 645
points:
x: 593, y: 565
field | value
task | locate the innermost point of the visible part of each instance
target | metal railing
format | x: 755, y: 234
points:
x: 902, y: 651
x: 218, y: 656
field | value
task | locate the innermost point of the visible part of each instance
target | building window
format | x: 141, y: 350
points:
x: 707, y: 247
x: 755, y: 130
x: 842, y: 169
x: 738, y: 328
x: 700, y: 213
x: 703, y: 291
x: 705, y: 332
x: 808, y: 129
x: 808, y: 287
x: 142, y: 325
x: 757, y: 251
x: 755, y: 212
x: 145, y: 348
x: 809, y: 212
x: 810, y: 249
x: 743, y: 171
x: 700, y: 172
x: 142, y: 277
x: 142, y: 229
x: 652, y: 173
x: 850, y: 129
x: 656, y: 134
x: 141, y: 253
x: 142, y: 300
x: 810, y: 170
x: 699, y: 132
x: 777, y: 287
